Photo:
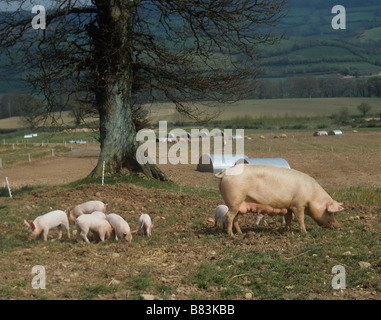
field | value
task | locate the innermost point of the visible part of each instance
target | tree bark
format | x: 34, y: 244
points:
x: 114, y: 76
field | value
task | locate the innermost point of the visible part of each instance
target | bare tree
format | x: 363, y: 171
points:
x: 364, y: 108
x: 31, y: 110
x: 195, y: 53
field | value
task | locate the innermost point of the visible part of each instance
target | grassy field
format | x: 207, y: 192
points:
x: 373, y: 34
x: 64, y: 117
x: 307, y: 26
x: 262, y: 114
x: 43, y: 138
x: 276, y: 107
x: 356, y: 47
x: 11, y: 154
x: 186, y: 257
x: 254, y: 108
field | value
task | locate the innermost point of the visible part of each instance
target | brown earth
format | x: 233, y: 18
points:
x: 184, y: 241
x: 334, y: 161
x: 57, y: 170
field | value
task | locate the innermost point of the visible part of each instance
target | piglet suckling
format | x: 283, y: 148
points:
x: 97, y: 225
x: 42, y: 224
x: 275, y: 190
x: 121, y: 227
x: 85, y: 208
x: 220, y: 214
x: 145, y: 224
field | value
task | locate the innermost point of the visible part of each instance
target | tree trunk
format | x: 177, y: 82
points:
x: 113, y: 82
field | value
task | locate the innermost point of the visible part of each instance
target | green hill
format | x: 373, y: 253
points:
x: 310, y: 44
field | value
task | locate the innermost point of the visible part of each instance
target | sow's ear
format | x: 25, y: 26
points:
x: 335, y: 207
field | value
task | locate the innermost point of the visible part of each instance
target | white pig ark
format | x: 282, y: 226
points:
x: 275, y: 190
x: 42, y: 224
x: 145, y: 224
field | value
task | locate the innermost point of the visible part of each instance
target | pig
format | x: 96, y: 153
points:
x: 85, y: 208
x: 277, y: 191
x: 121, y: 227
x: 220, y: 214
x: 42, y: 224
x: 263, y: 217
x: 222, y: 210
x: 145, y: 224
x: 97, y: 225
x: 260, y: 218
x: 99, y: 214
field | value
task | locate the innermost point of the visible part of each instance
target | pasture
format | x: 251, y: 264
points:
x: 302, y: 107
x: 186, y: 257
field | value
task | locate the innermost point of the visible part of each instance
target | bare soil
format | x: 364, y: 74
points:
x: 352, y: 159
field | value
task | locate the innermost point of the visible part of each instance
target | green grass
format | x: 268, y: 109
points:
x: 365, y: 196
x: 276, y: 108
x: 140, y: 180
x: 268, y: 263
x: 323, y: 52
x: 21, y: 152
x: 142, y: 282
x: 48, y: 137
x: 372, y: 34
x: 274, y: 275
x: 87, y: 292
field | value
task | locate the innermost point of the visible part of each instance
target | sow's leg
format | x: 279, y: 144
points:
x: 230, y: 217
x: 299, y: 214
x: 288, y: 219
x: 236, y: 225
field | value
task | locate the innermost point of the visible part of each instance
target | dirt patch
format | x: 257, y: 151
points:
x: 334, y: 161
x: 50, y: 171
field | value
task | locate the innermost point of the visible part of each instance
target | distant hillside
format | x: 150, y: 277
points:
x: 312, y: 46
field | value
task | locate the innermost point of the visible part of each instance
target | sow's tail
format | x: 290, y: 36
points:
x: 220, y: 174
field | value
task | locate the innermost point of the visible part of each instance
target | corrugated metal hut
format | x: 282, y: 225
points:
x: 235, y: 137
x: 335, y: 132
x: 272, y: 161
x: 218, y: 162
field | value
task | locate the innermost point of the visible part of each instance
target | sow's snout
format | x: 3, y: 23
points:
x: 328, y: 220
x: 334, y: 225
